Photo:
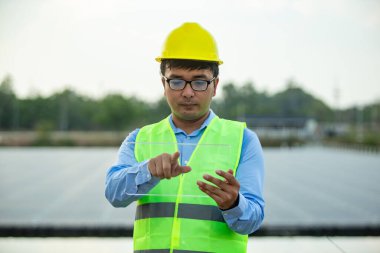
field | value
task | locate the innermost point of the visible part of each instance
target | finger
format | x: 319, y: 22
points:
x: 166, y: 166
x: 152, y: 167
x: 184, y: 169
x: 160, y: 168
x: 174, y: 157
x: 180, y: 169
x: 210, y: 188
x: 214, y: 196
x: 221, y: 184
x: 228, y: 176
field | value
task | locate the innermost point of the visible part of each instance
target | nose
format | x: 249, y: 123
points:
x: 188, y: 92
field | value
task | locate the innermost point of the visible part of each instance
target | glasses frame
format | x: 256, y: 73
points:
x: 188, y: 82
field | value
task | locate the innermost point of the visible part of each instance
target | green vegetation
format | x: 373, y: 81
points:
x: 69, y: 111
x: 291, y: 102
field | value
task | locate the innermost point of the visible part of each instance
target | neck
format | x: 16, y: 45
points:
x: 189, y: 125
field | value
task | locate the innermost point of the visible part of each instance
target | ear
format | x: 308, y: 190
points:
x: 216, y: 82
x: 163, y: 85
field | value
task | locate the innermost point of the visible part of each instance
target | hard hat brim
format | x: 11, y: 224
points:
x: 159, y: 59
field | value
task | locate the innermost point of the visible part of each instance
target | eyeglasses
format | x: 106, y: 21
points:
x: 180, y: 84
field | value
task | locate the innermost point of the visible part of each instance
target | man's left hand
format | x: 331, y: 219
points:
x: 225, y: 192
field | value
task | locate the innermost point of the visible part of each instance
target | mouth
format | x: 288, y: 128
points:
x: 187, y: 104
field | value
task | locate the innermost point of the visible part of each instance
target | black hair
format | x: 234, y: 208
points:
x: 189, y: 65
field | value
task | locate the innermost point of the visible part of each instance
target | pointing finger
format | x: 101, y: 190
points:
x: 180, y: 169
x: 174, y: 157
x: 185, y: 169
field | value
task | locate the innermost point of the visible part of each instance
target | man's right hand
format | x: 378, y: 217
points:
x: 166, y: 166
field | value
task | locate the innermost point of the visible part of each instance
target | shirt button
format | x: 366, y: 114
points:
x: 186, y: 162
x: 188, y: 137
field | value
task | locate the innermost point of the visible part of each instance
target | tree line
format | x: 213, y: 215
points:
x: 67, y: 110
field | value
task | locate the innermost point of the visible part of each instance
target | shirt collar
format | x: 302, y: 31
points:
x: 204, y: 124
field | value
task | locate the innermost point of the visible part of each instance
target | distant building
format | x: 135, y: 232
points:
x: 283, y: 127
x: 335, y: 129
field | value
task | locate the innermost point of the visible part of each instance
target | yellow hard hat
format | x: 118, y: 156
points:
x: 190, y: 41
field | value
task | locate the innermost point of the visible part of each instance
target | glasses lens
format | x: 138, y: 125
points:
x: 177, y: 84
x: 199, y: 85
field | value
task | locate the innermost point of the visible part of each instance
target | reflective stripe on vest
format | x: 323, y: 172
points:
x: 187, y: 211
x: 166, y: 220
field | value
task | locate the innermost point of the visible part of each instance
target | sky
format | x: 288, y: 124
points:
x: 331, y: 48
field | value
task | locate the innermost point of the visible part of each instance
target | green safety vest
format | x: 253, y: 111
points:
x: 168, y: 219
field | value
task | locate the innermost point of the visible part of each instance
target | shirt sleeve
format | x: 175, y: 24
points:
x: 127, y: 179
x: 248, y: 215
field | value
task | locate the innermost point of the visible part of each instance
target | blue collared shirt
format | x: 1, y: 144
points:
x: 129, y: 176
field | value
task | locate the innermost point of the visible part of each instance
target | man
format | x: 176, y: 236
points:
x: 205, y: 198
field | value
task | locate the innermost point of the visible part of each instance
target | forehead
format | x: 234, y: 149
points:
x: 186, y: 73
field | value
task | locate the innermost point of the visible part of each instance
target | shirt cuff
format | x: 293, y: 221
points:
x: 236, y: 212
x: 143, y: 176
